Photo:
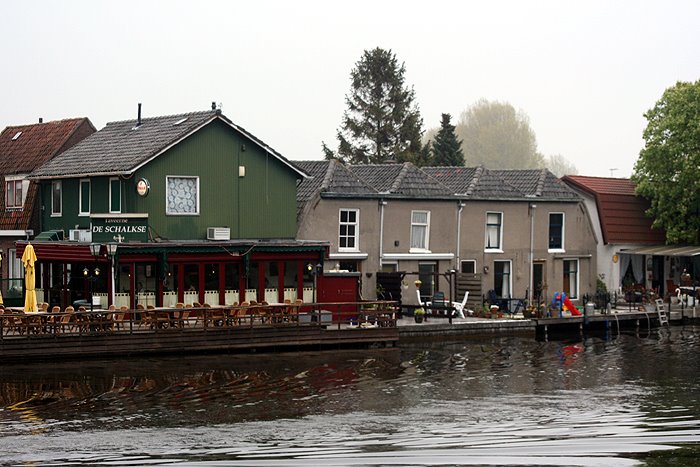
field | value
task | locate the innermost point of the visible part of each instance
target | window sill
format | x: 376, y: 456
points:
x: 556, y: 250
x: 493, y: 250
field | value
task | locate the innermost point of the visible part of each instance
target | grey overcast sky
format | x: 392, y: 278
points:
x: 584, y: 72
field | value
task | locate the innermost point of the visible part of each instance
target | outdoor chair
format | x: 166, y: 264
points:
x: 68, y: 319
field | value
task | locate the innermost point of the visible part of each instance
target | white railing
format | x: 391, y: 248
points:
x: 190, y: 297
x: 231, y: 297
x: 99, y: 299
x: 146, y: 298
x: 290, y: 294
x: 308, y: 296
x: 251, y: 294
x: 170, y: 299
x: 211, y: 297
x: 122, y: 299
x: 271, y: 296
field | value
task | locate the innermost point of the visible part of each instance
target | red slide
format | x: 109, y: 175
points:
x: 570, y: 306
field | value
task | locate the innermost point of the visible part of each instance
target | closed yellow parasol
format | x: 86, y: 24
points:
x: 28, y: 259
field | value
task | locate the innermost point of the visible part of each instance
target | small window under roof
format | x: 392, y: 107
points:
x: 17, y: 135
x: 180, y: 121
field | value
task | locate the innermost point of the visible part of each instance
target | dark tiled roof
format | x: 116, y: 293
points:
x: 120, y: 147
x: 36, y: 144
x: 379, y: 176
x: 457, y: 179
x: 540, y: 183
x: 333, y: 179
x: 620, y: 210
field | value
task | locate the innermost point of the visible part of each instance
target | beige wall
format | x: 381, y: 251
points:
x: 321, y: 223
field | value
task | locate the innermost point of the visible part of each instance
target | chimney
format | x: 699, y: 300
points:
x: 213, y: 105
x: 138, y: 122
x: 41, y: 120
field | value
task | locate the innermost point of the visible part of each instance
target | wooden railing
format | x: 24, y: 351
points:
x: 337, y: 315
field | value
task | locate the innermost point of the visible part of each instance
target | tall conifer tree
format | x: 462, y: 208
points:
x: 382, y: 122
x: 447, y: 149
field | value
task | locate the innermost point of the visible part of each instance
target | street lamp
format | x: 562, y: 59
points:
x: 92, y: 278
x: 95, y: 252
x: 111, y: 253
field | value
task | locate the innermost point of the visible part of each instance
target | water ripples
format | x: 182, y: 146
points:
x: 500, y: 402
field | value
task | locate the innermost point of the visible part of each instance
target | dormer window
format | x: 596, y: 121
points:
x: 14, y: 194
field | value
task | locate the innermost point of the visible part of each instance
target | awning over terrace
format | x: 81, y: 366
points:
x: 664, y: 250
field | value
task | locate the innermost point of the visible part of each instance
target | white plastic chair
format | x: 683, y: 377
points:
x: 459, y: 307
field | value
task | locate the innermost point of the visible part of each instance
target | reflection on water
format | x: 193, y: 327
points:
x: 504, y: 401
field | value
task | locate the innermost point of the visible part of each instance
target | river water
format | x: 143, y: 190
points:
x: 620, y: 400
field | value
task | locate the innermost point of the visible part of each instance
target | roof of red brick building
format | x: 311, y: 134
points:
x: 621, y: 211
x: 26, y: 147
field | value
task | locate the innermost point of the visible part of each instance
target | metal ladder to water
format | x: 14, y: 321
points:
x: 661, y: 310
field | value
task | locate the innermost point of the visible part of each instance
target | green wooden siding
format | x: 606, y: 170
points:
x: 262, y: 204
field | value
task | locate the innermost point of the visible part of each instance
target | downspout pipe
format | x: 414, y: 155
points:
x: 460, y: 208
x: 382, y: 203
x: 531, y: 257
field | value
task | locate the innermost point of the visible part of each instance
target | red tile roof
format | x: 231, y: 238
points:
x: 620, y: 210
x: 24, y: 148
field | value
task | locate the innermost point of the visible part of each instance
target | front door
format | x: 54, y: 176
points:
x: 538, y: 281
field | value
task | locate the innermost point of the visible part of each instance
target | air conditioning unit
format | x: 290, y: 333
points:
x: 80, y: 235
x: 218, y: 233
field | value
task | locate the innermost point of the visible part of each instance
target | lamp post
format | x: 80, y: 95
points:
x: 95, y: 252
x: 91, y: 278
x: 111, y: 253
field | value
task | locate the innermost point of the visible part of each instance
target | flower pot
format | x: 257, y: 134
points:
x: 419, y: 319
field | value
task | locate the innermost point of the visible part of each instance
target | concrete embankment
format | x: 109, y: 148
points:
x: 472, y: 327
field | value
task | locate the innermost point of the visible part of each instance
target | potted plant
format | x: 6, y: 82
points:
x: 418, y: 315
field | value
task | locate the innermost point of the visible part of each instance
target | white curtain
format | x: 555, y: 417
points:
x: 638, y: 268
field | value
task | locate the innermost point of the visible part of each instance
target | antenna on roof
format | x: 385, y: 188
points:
x: 611, y: 172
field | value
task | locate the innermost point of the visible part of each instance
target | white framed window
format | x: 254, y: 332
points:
x: 502, y: 278
x: 56, y: 198
x: 556, y: 232
x: 15, y: 193
x: 570, y: 286
x: 494, y: 231
x: 182, y: 196
x: 468, y: 266
x: 115, y: 195
x: 348, y: 230
x: 84, y: 202
x: 420, y: 230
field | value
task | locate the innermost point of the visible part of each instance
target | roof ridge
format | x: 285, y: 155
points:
x: 540, y: 182
x: 330, y: 171
x: 478, y: 172
x: 400, y: 177
x: 163, y: 117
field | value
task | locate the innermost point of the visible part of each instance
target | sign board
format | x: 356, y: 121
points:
x: 119, y: 228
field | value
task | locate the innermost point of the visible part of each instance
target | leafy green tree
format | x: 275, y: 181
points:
x: 382, y: 121
x: 666, y: 171
x: 496, y: 136
x: 447, y: 149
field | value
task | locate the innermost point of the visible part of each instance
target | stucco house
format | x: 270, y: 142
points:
x: 502, y: 229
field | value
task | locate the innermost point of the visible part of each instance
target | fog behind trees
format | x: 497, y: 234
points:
x: 496, y: 135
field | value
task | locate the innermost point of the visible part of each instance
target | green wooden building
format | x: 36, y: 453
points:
x: 192, y: 208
